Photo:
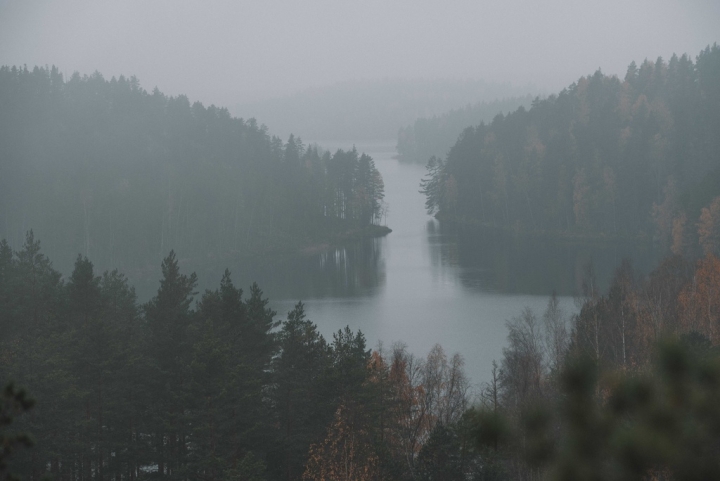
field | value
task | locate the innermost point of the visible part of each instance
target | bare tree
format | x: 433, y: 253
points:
x: 489, y: 394
x: 446, y: 387
x: 410, y: 412
x: 556, y: 333
x: 522, y: 369
x: 428, y: 392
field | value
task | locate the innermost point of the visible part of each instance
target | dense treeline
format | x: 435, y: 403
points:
x: 434, y: 136
x: 637, y: 156
x: 216, y: 389
x: 220, y: 389
x: 107, y: 169
x: 627, y: 388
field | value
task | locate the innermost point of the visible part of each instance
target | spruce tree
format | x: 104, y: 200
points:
x: 168, y: 316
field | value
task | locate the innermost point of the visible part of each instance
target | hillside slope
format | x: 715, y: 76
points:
x: 605, y: 157
x: 106, y: 169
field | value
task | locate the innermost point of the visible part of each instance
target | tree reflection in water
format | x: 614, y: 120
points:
x: 488, y: 260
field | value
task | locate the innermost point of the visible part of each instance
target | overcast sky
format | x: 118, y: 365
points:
x: 226, y: 52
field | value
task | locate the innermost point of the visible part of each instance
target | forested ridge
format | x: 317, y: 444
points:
x: 611, y: 157
x: 122, y: 175
x: 434, y: 136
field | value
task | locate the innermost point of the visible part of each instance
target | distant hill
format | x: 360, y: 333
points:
x: 369, y: 110
x: 435, y: 135
x: 638, y: 156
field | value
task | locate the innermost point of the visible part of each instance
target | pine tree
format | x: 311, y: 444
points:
x: 299, y: 393
x: 168, y: 317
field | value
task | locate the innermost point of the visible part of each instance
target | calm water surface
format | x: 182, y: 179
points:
x: 425, y: 283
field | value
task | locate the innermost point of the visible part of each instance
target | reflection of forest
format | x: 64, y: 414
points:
x: 490, y: 260
x: 356, y: 269
x: 353, y: 270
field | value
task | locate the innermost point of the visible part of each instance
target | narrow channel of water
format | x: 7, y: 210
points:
x: 410, y: 286
x: 426, y: 283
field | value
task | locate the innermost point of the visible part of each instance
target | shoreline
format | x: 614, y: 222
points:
x: 555, y: 235
x: 352, y: 235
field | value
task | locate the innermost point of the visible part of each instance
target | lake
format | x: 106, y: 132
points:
x: 428, y: 283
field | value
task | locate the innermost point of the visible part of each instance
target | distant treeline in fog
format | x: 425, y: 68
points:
x: 107, y: 169
x: 604, y: 157
x: 369, y: 110
x: 434, y: 136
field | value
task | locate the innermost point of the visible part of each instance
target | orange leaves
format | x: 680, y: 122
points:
x: 709, y: 227
x: 700, y: 301
x: 347, y: 453
x: 405, y: 398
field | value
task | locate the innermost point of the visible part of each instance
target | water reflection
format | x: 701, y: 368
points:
x: 350, y: 271
x: 353, y: 270
x: 495, y: 262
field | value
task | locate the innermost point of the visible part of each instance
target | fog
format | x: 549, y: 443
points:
x: 379, y: 258
x: 228, y: 52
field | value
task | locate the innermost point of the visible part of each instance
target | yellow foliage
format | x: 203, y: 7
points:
x: 347, y: 452
x: 700, y: 301
x: 709, y: 227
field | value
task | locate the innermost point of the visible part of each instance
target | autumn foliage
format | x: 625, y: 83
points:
x: 347, y: 453
x: 636, y: 393
x: 700, y: 300
x: 381, y: 431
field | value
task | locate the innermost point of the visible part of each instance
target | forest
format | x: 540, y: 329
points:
x: 122, y: 175
x: 214, y: 386
x: 630, y: 390
x: 605, y: 158
x: 434, y: 136
x: 205, y: 386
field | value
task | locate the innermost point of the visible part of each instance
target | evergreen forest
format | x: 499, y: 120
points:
x: 637, y: 157
x: 205, y: 385
x: 434, y: 136
x: 121, y: 175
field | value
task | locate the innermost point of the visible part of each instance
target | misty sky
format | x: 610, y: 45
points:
x: 226, y: 52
